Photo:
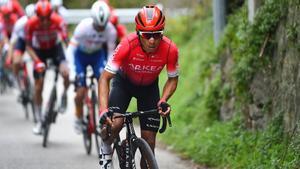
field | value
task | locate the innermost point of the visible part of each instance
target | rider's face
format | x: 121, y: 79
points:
x: 150, y: 40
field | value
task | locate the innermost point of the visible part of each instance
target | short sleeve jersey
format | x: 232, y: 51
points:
x: 89, y: 40
x: 143, y: 68
x: 45, y: 37
x: 19, y: 28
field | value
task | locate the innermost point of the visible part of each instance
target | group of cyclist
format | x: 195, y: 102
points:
x: 126, y: 66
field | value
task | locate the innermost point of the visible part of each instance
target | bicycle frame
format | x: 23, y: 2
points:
x: 51, y: 112
x: 89, y: 118
x: 89, y: 102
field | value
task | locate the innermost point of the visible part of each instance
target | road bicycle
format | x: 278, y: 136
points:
x: 134, y: 151
x: 89, y: 121
x: 51, y: 110
x: 26, y: 96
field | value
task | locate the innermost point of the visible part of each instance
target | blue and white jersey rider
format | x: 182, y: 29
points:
x: 89, y: 46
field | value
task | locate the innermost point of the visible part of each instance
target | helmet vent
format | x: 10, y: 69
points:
x: 101, y: 14
x: 149, y: 12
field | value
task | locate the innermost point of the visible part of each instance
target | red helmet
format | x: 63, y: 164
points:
x: 150, y: 18
x: 6, y: 10
x: 43, y: 9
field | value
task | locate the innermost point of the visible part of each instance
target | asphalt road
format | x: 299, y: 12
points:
x: 20, y: 149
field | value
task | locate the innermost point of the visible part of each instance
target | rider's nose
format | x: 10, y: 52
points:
x: 151, y: 40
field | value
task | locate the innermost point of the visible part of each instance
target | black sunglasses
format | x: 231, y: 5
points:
x: 148, y: 35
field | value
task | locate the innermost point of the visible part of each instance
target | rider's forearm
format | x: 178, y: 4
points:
x: 169, y: 88
x: 103, y: 87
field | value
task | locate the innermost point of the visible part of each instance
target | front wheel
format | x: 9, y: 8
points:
x: 46, y: 128
x: 87, y: 137
x: 143, y: 155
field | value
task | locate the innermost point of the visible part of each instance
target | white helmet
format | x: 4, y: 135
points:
x: 56, y: 2
x: 30, y: 10
x: 100, y: 13
x: 3, y: 2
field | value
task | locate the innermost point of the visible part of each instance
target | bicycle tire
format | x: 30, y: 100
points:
x: 50, y: 116
x: 143, y: 147
x: 29, y: 88
x: 87, y: 137
x: 33, y: 111
x: 46, y: 128
x: 97, y: 132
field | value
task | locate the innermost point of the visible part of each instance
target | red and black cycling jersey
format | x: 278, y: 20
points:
x: 45, y: 37
x: 143, y: 68
x: 8, y: 24
x: 16, y: 8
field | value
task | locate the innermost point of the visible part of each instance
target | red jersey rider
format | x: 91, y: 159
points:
x: 134, y: 68
x: 44, y: 33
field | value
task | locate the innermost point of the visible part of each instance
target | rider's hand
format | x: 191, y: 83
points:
x: 39, y: 66
x: 164, y: 108
x: 105, y: 118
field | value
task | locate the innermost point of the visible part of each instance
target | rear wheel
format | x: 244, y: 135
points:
x: 46, y: 128
x: 143, y: 155
x: 50, y: 116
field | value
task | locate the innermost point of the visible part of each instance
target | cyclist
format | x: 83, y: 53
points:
x: 7, y: 20
x: 17, y: 41
x: 14, y: 5
x: 134, y: 68
x: 44, y: 34
x: 92, y: 43
x: 121, y: 29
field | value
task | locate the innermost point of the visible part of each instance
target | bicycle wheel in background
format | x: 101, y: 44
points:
x: 87, y: 137
x: 95, y: 121
x: 50, y: 116
x: 46, y: 128
x: 143, y: 155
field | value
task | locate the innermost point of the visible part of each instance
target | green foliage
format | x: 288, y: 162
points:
x: 246, y: 40
x: 196, y: 131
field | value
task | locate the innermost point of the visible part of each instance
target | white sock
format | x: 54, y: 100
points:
x: 106, y: 148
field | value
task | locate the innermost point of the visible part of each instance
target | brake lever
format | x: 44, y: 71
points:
x: 164, y: 125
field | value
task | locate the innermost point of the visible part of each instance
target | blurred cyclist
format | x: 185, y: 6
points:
x: 14, y: 5
x: 7, y: 20
x: 92, y: 43
x: 44, y: 35
x: 17, y: 41
x: 114, y: 19
x: 134, y: 68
